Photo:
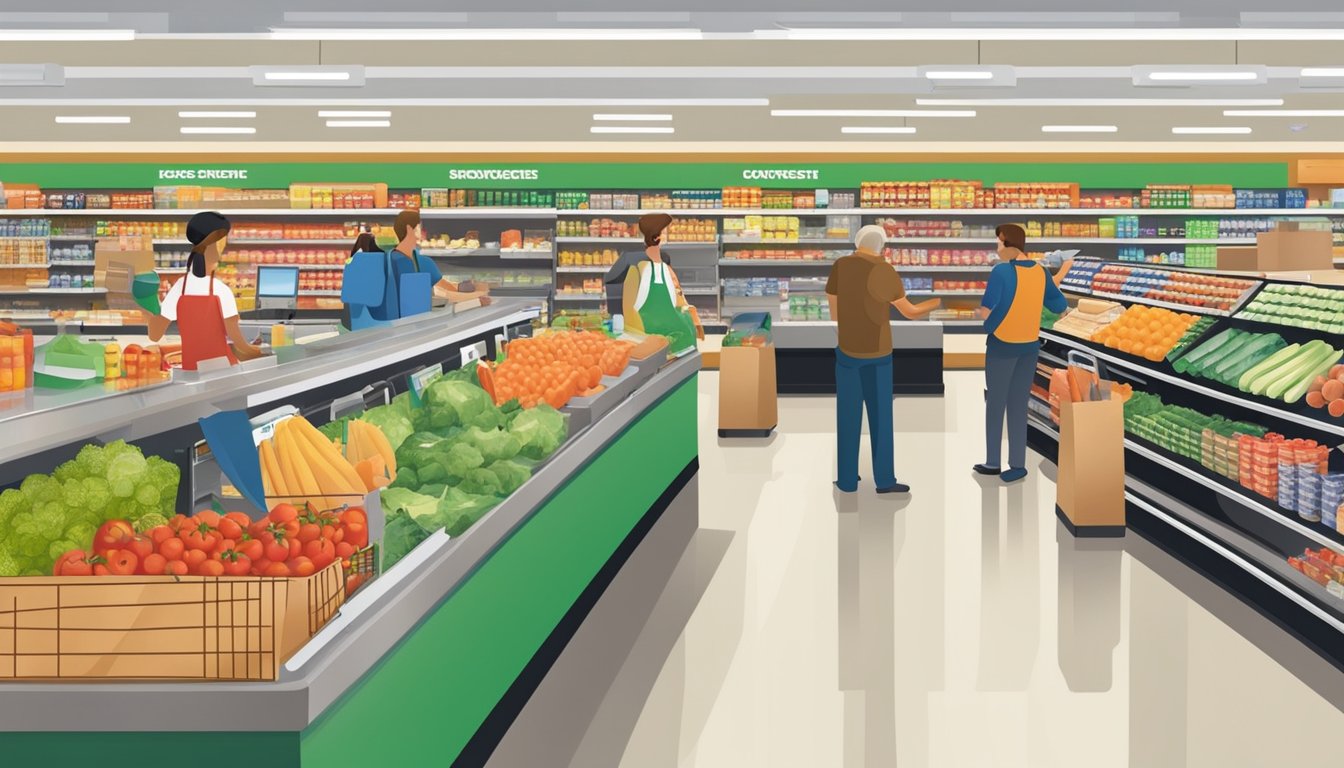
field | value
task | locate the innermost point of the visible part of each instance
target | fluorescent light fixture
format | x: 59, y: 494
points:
x: 93, y: 119
x: 364, y: 33
x: 258, y: 101
x: 359, y: 123
x: 878, y: 129
x: 354, y: 113
x: 1210, y: 130
x: 958, y: 74
x: 32, y: 74
x: 209, y: 114
x: 634, y: 118
x: 1058, y: 34
x: 218, y: 129
x: 1099, y: 102
x: 631, y: 129
x: 1167, y: 76
x: 306, y: 75
x: 872, y: 113
x: 1079, y: 129
x: 1322, y: 72
x: 65, y: 35
x: 996, y: 76
x: 1283, y: 113
x: 340, y: 76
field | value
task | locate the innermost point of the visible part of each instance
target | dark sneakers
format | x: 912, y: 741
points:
x: 1013, y: 475
x: 984, y: 469
x: 897, y: 488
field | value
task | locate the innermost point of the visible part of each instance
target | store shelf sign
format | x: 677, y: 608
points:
x: 202, y: 174
x: 494, y: 174
x: 781, y: 174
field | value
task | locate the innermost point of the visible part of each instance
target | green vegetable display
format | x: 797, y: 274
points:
x: 402, y: 535
x: 48, y: 512
x: 539, y: 430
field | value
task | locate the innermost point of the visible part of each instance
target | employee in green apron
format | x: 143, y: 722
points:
x: 652, y: 301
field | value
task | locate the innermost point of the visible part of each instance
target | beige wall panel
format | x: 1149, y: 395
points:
x: 1102, y: 53
x: 162, y: 53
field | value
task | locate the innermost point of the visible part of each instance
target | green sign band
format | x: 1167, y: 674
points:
x: 631, y: 176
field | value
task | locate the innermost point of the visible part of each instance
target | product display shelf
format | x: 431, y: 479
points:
x: 634, y: 241
x: 1043, y: 212
x: 340, y: 243
x: 777, y: 263
x: 580, y: 297
x: 1294, y: 420
x: 71, y: 263
x: 585, y: 270
x: 1227, y: 532
x: 467, y: 253
x: 344, y: 698
x: 1150, y: 302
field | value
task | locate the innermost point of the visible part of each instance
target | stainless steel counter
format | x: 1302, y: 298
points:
x: 821, y: 334
x: 44, y: 419
x: 366, y: 628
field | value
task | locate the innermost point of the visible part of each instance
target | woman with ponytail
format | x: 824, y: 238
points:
x: 204, y: 309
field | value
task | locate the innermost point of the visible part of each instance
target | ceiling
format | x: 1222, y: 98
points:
x: 514, y: 72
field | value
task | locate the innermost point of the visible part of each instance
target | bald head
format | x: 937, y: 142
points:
x: 871, y: 238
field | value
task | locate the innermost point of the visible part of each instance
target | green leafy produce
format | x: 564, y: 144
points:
x: 480, y: 481
x: 394, y: 420
x: 402, y: 535
x: 494, y: 444
x: 405, y: 500
x: 451, y: 403
x: 460, y: 459
x: 511, y: 475
x: 460, y: 510
x: 101, y: 483
x: 539, y: 430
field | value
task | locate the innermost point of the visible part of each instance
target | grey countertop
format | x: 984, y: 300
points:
x: 366, y: 628
x: 820, y: 334
x: 40, y: 420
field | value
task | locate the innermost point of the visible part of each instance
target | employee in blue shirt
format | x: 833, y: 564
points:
x: 415, y: 292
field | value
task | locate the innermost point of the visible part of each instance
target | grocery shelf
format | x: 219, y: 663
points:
x: 633, y: 241
x: 776, y: 262
x: 1102, y: 212
x: 1082, y: 240
x: 302, y: 267
x: 23, y: 237
x: 1193, y: 386
x: 467, y: 253
x: 593, y: 270
x: 70, y: 263
x: 700, y: 292
x: 580, y: 297
x: 801, y: 241
x: 283, y: 241
x: 43, y: 265
x: 920, y: 268
x: 963, y: 294
x: 333, y: 294
x: 1157, y: 303
x: 71, y: 238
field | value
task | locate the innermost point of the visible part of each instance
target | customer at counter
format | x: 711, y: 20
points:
x: 204, y: 309
x: 367, y: 287
x: 417, y: 278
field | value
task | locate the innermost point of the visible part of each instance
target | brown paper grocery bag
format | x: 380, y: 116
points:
x: 1091, y: 488
x: 748, y: 399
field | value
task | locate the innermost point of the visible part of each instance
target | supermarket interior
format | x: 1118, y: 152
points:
x: 720, y: 385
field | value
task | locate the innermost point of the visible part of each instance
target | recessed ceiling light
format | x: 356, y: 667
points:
x: 192, y: 115
x: 631, y: 129
x: 1283, y: 112
x: 1212, y: 130
x: 878, y: 129
x: 354, y: 113
x: 65, y: 35
x: 359, y: 123
x: 1323, y: 72
x: 650, y: 118
x: 306, y: 75
x: 32, y: 74
x: 872, y: 113
x: 1079, y: 129
x: 93, y: 119
x: 958, y: 74
x: 364, y: 33
x: 217, y: 129
x: 1224, y: 76
x: 1099, y: 102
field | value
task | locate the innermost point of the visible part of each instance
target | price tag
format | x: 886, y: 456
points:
x: 420, y: 380
x: 263, y: 426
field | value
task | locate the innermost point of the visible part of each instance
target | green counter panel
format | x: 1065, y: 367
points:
x: 425, y: 701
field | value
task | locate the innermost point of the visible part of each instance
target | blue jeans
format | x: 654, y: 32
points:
x: 861, y: 382
x: 1008, y: 380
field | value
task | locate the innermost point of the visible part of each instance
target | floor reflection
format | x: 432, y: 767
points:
x: 1009, y: 584
x: 1089, y: 609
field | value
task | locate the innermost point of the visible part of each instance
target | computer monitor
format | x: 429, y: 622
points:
x: 277, y: 287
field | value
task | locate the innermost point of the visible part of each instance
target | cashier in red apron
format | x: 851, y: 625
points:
x: 204, y: 308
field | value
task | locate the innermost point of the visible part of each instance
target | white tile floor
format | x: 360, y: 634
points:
x: 959, y: 627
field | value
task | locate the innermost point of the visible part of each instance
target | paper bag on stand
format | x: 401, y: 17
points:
x: 1091, y: 488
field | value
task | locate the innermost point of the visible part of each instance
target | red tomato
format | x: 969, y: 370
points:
x: 309, y: 532
x: 173, y: 548
x: 252, y: 548
x: 203, y: 537
x: 161, y: 533
x: 295, y: 548
x: 276, y: 569
x: 283, y: 513
x: 357, y: 534
x: 207, y: 517
x: 345, y: 549
x: 277, y: 550
x: 211, y: 568
x: 175, y: 568
x: 101, y: 570
x: 321, y: 552
x: 353, y: 582
x: 193, y: 558
x: 141, y: 545
x: 230, y: 529
x: 114, y: 534
x: 154, y: 564
x: 302, y: 566
x: 355, y: 515
x: 73, y: 563
x: 259, y: 566
x: 121, y: 562
x: 179, y: 522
